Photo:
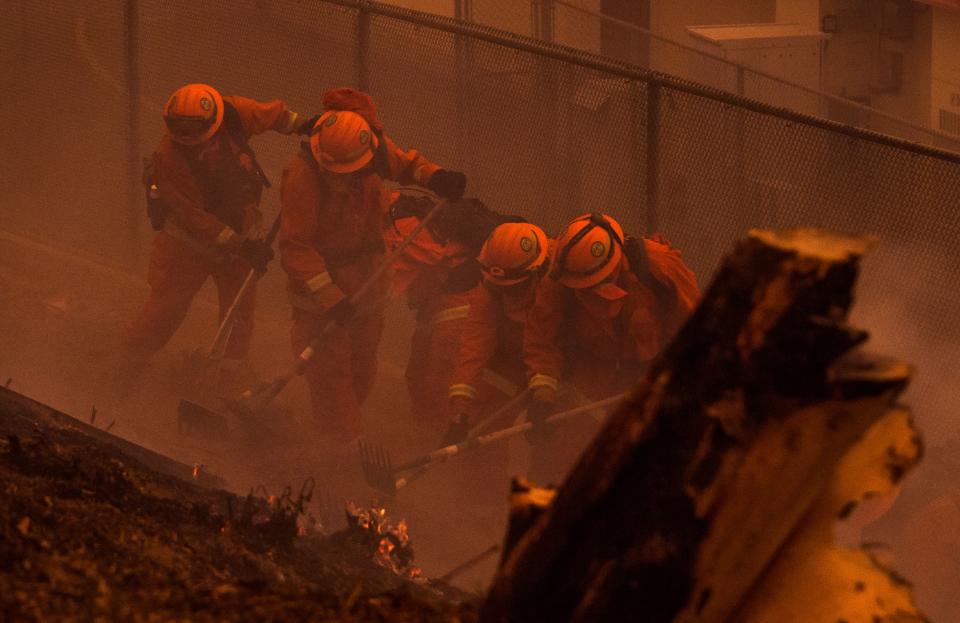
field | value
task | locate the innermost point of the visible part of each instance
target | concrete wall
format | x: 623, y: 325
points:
x: 579, y: 29
x: 945, y: 64
x: 671, y: 19
x: 855, y: 55
x: 803, y: 12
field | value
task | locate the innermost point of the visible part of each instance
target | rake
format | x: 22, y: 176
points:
x: 379, y: 472
x: 253, y: 401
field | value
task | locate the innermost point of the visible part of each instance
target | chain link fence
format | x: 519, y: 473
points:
x: 541, y: 130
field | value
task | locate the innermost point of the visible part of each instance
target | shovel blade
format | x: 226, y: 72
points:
x: 377, y: 469
x: 194, y: 419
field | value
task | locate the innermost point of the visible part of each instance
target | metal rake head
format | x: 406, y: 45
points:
x: 377, y: 469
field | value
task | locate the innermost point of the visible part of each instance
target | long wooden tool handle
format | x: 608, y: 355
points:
x: 307, y: 354
x: 511, y: 404
x: 508, y: 406
x: 226, y: 325
x: 446, y: 452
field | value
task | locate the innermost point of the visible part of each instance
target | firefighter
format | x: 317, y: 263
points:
x: 335, y: 208
x: 436, y: 275
x: 204, y: 188
x: 605, y: 310
x: 512, y: 261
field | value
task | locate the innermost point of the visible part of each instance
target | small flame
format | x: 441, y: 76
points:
x: 196, y: 470
x: 385, y: 547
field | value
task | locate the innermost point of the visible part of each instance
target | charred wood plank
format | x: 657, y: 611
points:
x: 720, y: 455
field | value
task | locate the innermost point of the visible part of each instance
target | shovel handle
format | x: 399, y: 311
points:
x: 257, y: 400
x: 308, y: 353
x: 442, y: 454
x: 510, y: 405
x: 226, y: 325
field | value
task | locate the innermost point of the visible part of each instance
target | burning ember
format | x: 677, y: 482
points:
x: 390, y: 543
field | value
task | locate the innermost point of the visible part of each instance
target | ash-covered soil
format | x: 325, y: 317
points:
x: 88, y: 533
x: 61, y: 320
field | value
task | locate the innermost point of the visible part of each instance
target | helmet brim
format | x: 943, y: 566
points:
x: 578, y: 282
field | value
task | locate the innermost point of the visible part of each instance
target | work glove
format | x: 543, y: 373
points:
x: 542, y: 405
x: 306, y: 127
x: 457, y: 431
x: 342, y: 312
x: 448, y: 184
x: 257, y: 253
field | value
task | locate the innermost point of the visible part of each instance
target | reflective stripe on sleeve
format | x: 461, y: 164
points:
x: 293, y: 120
x: 226, y: 236
x: 319, y: 282
x: 543, y: 380
x: 462, y: 389
x: 451, y: 313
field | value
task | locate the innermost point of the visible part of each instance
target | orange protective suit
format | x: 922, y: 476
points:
x: 421, y: 274
x: 211, y: 193
x: 599, y: 338
x: 492, y: 340
x: 331, y: 241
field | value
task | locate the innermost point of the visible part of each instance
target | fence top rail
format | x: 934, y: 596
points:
x: 627, y: 71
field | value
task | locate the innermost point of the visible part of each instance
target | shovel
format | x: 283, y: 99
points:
x: 226, y: 325
x: 253, y: 401
x: 191, y: 417
x: 380, y: 473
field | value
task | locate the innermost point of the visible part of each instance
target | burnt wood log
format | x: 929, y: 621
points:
x: 724, y: 456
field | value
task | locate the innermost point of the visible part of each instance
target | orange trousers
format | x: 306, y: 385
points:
x: 343, y: 370
x: 433, y: 357
x: 176, y: 273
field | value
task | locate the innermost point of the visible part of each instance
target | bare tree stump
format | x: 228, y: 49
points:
x: 731, y: 456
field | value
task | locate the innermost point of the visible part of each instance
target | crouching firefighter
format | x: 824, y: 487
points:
x: 335, y: 210
x: 203, y: 190
x: 489, y: 363
x: 437, y: 273
x: 605, y: 310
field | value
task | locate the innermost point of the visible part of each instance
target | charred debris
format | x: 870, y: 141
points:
x: 710, y: 494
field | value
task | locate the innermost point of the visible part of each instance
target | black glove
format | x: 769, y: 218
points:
x: 257, y: 253
x: 448, y: 184
x: 306, y: 127
x: 457, y: 431
x: 342, y: 312
x: 537, y: 414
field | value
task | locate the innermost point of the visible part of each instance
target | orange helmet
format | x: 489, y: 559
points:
x: 342, y: 141
x: 193, y: 113
x: 512, y: 253
x: 588, y: 251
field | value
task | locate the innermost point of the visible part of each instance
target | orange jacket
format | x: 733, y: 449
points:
x: 321, y: 228
x: 421, y: 270
x: 626, y: 323
x: 492, y: 336
x: 183, y: 193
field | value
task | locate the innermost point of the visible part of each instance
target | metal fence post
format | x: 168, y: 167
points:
x: 542, y: 19
x: 132, y: 75
x: 462, y: 66
x: 363, y: 47
x: 653, y: 156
